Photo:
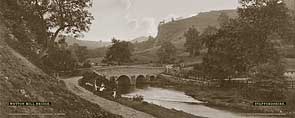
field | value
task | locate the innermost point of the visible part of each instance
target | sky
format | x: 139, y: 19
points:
x: 129, y: 19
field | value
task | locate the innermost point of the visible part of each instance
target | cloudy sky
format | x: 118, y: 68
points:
x: 129, y: 19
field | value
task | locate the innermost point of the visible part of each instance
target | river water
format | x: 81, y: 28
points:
x: 170, y: 98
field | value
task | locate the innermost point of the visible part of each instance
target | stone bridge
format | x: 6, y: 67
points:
x: 130, y: 74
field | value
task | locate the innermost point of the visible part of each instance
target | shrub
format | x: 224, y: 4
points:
x: 291, y: 102
x: 138, y: 98
x: 269, y: 82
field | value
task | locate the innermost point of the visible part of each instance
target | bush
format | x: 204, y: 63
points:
x: 145, y: 103
x: 291, y: 102
x: 269, y: 82
x: 138, y: 98
x: 289, y: 55
x: 86, y: 65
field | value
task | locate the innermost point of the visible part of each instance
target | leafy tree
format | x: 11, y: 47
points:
x: 33, y: 12
x: 193, y: 43
x: 23, y: 22
x: 97, y: 52
x: 119, y: 52
x: 243, y: 43
x: 70, y: 16
x: 45, y: 19
x: 166, y: 53
x: 223, y: 19
x: 266, y: 15
x: 55, y: 16
x: 269, y: 82
x: 60, y: 58
x: 208, y: 37
x: 80, y: 52
x: 145, y: 44
x: 289, y: 32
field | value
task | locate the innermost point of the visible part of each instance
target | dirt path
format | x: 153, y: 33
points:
x: 110, y: 106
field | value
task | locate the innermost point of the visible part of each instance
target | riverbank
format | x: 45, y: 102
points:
x: 149, y: 108
x: 108, y: 105
x: 229, y: 99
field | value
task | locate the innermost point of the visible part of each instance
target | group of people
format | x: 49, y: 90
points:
x: 102, y: 88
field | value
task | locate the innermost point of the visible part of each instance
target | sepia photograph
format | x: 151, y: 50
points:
x: 147, y: 58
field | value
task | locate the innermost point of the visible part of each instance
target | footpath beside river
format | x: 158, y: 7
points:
x: 110, y: 106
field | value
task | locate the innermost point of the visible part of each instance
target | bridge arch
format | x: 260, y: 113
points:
x: 153, y: 78
x: 123, y: 80
x: 140, y: 79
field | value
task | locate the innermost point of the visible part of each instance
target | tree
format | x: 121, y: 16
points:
x: 80, y: 52
x: 119, y: 52
x: 24, y: 22
x: 167, y: 52
x: 244, y: 43
x: 289, y: 34
x: 59, y: 58
x: 208, y: 37
x: 266, y: 19
x: 33, y: 13
x: 269, y: 82
x: 223, y: 19
x: 70, y: 16
x: 140, y: 46
x: 97, y: 52
x: 267, y: 15
x: 193, y: 43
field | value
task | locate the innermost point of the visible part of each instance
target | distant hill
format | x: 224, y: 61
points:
x: 139, y: 39
x: 173, y: 31
x: 88, y: 44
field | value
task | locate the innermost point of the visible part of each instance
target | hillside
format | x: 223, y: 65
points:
x: 173, y: 31
x: 88, y: 44
x: 139, y: 39
x: 21, y: 81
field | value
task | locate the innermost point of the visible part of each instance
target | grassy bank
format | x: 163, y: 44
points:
x: 230, y: 99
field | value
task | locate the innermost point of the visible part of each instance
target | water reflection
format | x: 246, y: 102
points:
x: 125, y: 89
x: 141, y: 86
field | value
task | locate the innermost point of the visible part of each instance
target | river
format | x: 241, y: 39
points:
x: 170, y: 98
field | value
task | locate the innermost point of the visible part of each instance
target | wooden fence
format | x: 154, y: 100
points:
x: 291, y: 84
x: 236, y: 82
